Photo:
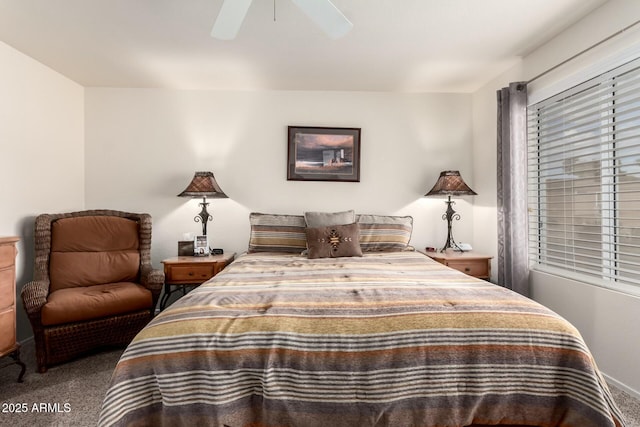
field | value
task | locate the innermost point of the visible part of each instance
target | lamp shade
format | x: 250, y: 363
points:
x: 450, y: 183
x: 203, y: 184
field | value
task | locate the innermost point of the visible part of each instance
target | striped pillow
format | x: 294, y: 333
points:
x: 277, y: 233
x: 382, y: 233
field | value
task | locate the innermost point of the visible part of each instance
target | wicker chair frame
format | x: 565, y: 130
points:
x: 61, y: 343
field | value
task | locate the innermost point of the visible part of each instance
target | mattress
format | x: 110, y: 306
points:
x: 387, y: 339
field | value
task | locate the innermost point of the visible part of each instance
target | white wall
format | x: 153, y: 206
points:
x: 42, y: 153
x: 143, y: 146
x: 607, y: 319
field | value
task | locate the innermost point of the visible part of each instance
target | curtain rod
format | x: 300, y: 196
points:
x: 544, y: 73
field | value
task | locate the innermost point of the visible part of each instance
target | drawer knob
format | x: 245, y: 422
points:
x: 191, y: 273
x: 467, y: 269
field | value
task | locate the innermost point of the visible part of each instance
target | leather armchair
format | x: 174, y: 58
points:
x: 93, y: 285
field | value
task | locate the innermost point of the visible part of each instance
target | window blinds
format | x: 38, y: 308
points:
x: 584, y: 178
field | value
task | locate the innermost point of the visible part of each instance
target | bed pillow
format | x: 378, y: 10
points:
x: 383, y: 233
x: 333, y: 241
x: 277, y: 233
x: 323, y: 219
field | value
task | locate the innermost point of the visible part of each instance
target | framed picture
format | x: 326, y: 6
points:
x: 323, y: 154
x: 201, y: 246
x: 185, y: 248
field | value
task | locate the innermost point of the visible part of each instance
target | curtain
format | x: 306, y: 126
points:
x: 513, y: 267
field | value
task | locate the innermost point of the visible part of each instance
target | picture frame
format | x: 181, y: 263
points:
x: 201, y: 246
x: 185, y: 248
x: 323, y: 154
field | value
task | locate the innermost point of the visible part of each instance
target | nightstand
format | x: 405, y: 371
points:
x: 471, y: 263
x: 189, y: 271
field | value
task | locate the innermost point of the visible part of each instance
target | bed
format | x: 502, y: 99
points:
x: 383, y: 339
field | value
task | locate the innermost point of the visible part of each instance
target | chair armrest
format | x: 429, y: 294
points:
x: 34, y: 296
x: 152, y: 279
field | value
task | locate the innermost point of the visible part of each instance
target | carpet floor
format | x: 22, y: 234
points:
x: 71, y: 394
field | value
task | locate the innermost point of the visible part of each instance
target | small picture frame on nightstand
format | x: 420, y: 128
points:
x: 185, y: 247
x: 201, y: 246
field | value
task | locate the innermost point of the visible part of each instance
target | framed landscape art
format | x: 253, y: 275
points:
x: 323, y: 154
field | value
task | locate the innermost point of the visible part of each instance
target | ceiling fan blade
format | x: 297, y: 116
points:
x: 326, y: 16
x: 230, y: 19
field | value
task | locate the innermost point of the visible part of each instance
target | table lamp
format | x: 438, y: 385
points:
x: 450, y: 183
x: 203, y: 185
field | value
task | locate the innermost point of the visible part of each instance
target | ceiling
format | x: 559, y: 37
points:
x: 395, y: 45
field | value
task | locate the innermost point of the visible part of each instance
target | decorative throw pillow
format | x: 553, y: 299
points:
x: 334, y: 241
x: 323, y: 219
x: 277, y: 233
x: 383, y: 233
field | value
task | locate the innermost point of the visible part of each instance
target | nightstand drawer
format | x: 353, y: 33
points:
x: 471, y: 263
x: 477, y: 268
x: 189, y: 273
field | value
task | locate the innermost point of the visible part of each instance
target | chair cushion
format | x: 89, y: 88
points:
x: 93, y: 302
x: 92, y: 250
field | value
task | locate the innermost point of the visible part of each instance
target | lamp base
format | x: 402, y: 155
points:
x: 454, y: 246
x: 203, y: 216
x: 450, y: 215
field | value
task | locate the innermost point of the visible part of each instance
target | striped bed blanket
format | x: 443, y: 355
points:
x: 387, y: 339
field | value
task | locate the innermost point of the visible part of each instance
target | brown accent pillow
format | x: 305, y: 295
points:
x: 334, y: 241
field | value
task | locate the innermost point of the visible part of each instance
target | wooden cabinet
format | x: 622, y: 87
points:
x: 471, y: 263
x: 8, y: 344
x: 183, y: 271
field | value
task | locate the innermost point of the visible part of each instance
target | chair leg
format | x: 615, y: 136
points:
x: 41, y: 351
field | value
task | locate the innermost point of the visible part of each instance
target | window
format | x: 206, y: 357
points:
x: 584, y: 180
